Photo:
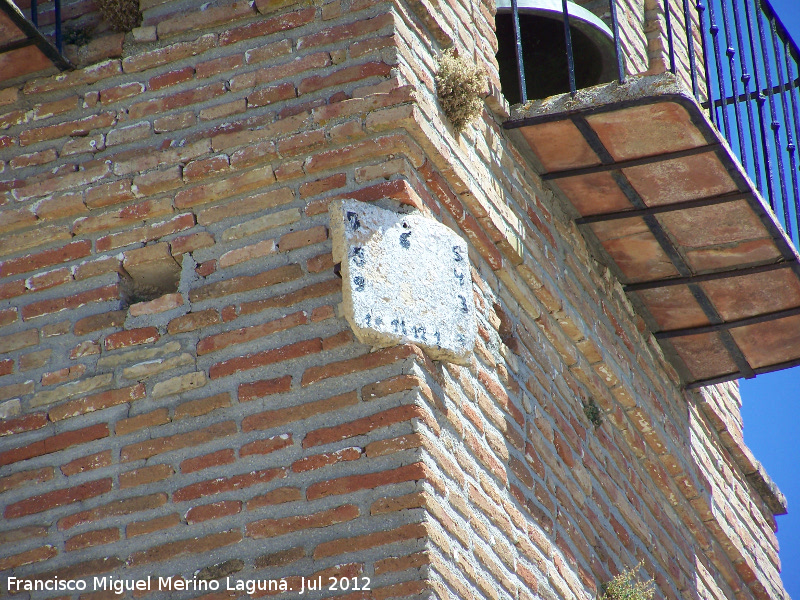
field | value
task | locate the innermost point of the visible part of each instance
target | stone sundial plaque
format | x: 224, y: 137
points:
x: 406, y: 278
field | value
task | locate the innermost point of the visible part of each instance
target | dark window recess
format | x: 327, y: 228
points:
x: 545, y: 57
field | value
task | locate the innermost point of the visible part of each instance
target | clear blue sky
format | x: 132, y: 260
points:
x: 771, y: 413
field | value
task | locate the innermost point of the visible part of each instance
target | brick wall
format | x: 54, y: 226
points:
x: 181, y: 398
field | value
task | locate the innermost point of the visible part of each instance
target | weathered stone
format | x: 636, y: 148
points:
x: 405, y: 279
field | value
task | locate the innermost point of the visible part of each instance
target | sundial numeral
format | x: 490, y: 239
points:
x: 457, y: 254
x: 359, y: 282
x: 399, y: 326
x: 419, y: 333
x: 378, y: 322
x: 404, y: 241
x: 352, y: 218
x: 438, y: 337
x: 357, y: 254
x: 459, y: 277
x: 368, y: 318
x: 464, y: 307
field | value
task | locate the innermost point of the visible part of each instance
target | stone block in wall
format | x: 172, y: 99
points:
x: 406, y: 278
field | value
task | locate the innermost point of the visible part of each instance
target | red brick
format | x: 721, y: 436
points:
x: 121, y: 92
x: 8, y: 316
x: 22, y: 424
x: 354, y: 483
x: 57, y: 498
x: 364, y: 425
x: 156, y: 182
x: 78, y: 127
x: 345, y: 75
x: 347, y: 31
x: 130, y: 215
x: 114, y: 509
x: 91, y: 539
x: 232, y: 185
x: 198, y: 545
x: 372, y: 360
x: 46, y: 307
x: 152, y: 525
x: 268, y: 26
x: 300, y: 239
x: 87, y: 463
x: 18, y: 341
x: 315, y: 290
x: 283, y: 416
x: 195, y: 95
x: 226, y: 484
x: 262, y: 359
x: 264, y: 387
x: 390, y: 446
x: 174, y: 122
x: 131, y: 337
x: 28, y: 557
x: 325, y: 518
x: 214, y: 15
x: 149, y: 448
x: 161, y: 56
x: 318, y: 461
x: 6, y: 367
x: 274, y: 73
x: 189, y: 243
x: 12, y: 289
x: 24, y: 478
x: 97, y: 402
x: 170, y: 78
x: 320, y: 186
x: 217, y: 510
x: 216, y: 66
x: 48, y: 280
x: 411, y: 531
x: 206, y: 167
x: 159, y: 305
x: 248, y: 334
x: 272, y: 94
x: 55, y: 443
x: 267, y: 445
x: 215, y: 459
x: 202, y: 406
x: 33, y: 159
x: 151, y: 419
x: 145, y: 475
x: 100, y: 322
x: 277, y: 496
x: 108, y: 194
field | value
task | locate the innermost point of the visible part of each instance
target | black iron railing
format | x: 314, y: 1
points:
x: 742, y: 66
x: 59, y: 38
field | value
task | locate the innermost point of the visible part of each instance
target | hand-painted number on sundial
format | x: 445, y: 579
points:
x: 352, y: 218
x: 358, y: 256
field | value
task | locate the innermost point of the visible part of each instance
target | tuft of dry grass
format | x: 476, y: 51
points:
x: 461, y: 87
x: 626, y: 586
x: 122, y: 15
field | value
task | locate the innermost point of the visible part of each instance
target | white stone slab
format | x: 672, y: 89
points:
x: 406, y: 278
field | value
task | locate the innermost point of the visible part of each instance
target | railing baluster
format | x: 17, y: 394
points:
x: 687, y: 17
x: 59, y: 38
x: 730, y: 52
x: 670, y: 37
x: 718, y: 64
x: 748, y: 103
x: 776, y: 126
x: 617, y: 50
x: 760, y: 99
x: 570, y: 56
x: 796, y: 122
x: 34, y: 13
x: 523, y: 88
x: 701, y: 9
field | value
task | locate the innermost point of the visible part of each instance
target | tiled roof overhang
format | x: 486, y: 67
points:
x: 23, y: 48
x: 659, y: 193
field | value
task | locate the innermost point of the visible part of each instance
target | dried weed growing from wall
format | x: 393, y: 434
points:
x: 461, y: 87
x: 122, y: 15
x: 626, y: 586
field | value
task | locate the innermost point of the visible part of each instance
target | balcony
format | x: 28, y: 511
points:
x: 25, y: 49
x: 683, y: 177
